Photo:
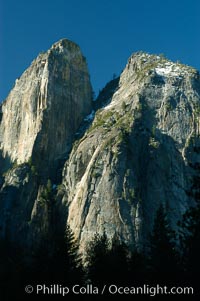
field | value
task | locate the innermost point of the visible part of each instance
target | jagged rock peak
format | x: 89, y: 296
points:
x: 144, y: 64
x: 64, y: 44
x: 46, y: 105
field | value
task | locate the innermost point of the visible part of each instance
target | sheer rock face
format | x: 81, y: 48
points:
x: 138, y: 152
x: 38, y: 122
x: 46, y: 106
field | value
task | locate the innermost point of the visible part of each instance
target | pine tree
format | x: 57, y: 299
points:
x: 107, y: 262
x: 58, y: 260
x: 12, y: 270
x: 73, y: 259
x: 163, y: 255
x: 138, y: 268
x: 97, y: 259
x: 190, y: 231
x: 190, y: 245
x: 117, y: 268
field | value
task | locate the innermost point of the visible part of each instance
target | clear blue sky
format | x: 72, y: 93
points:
x: 108, y: 32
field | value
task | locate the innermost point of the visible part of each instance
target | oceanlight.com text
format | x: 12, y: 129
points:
x: 89, y: 289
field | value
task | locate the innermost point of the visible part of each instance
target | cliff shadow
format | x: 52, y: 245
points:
x: 105, y: 95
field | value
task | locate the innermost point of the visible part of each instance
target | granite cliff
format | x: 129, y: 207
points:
x: 139, y: 149
x: 46, y: 106
x: 38, y: 122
